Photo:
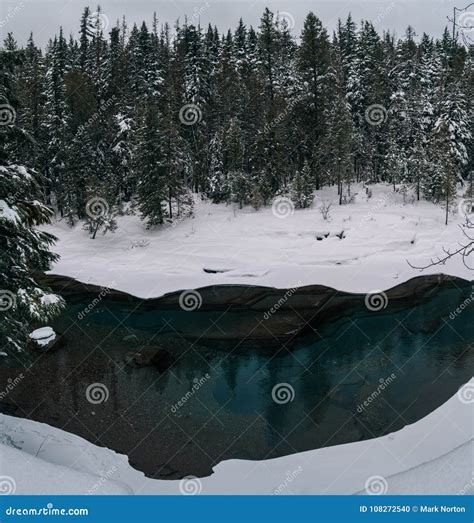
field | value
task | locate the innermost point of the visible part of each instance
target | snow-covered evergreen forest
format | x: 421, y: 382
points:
x: 148, y: 114
x: 120, y: 119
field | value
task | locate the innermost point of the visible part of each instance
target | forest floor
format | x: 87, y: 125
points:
x: 362, y: 247
x: 431, y: 456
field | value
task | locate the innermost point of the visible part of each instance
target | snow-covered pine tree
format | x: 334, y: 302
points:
x: 443, y: 166
x: 316, y: 74
x: 23, y: 249
x: 218, y: 187
x: 302, y: 188
x: 338, y: 146
x: 150, y: 171
x: 55, y: 123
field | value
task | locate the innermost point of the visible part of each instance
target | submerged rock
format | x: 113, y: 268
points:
x: 131, y: 337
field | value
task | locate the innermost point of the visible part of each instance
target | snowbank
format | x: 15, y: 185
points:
x: 363, y: 247
x: 431, y: 456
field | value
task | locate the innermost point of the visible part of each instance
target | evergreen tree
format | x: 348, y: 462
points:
x: 149, y: 168
x: 23, y: 248
x: 302, y: 188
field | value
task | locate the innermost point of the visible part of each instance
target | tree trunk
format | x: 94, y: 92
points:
x: 95, y: 231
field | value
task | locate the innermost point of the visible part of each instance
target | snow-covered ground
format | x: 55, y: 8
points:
x: 279, y: 248
x: 432, y: 456
x: 270, y: 247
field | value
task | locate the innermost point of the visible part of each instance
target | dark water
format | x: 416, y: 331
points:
x: 215, y: 400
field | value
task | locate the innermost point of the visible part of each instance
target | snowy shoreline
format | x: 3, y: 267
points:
x: 225, y: 245
x: 431, y: 456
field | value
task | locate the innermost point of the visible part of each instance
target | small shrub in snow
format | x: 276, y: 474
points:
x: 105, y: 223
x: 256, y: 200
x: 325, y: 209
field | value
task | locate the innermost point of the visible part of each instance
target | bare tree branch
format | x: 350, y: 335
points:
x: 465, y: 249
